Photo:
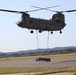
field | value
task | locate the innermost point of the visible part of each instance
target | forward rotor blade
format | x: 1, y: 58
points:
x: 34, y: 10
x: 51, y: 10
x: 36, y: 7
x: 18, y: 12
x: 11, y: 11
x: 46, y: 7
x: 52, y: 6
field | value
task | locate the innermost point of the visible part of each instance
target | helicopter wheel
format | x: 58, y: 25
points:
x: 31, y: 31
x: 40, y: 31
x: 51, y: 32
x: 60, y: 32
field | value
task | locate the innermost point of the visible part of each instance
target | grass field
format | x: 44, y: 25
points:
x: 53, y: 57
x: 43, y: 70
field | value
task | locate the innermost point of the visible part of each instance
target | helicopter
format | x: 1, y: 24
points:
x: 56, y: 23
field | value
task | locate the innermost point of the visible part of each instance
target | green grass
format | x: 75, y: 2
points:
x: 42, y: 70
x: 74, y: 73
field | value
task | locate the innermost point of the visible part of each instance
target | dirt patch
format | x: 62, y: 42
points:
x: 19, y: 74
x: 64, y: 73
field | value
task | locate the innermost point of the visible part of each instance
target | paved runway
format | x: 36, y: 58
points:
x: 53, y: 63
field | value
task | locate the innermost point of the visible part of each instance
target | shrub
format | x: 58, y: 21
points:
x: 74, y: 73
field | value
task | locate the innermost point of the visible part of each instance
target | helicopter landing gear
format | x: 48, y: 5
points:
x: 40, y: 31
x: 31, y: 31
x: 51, y: 32
x: 60, y: 32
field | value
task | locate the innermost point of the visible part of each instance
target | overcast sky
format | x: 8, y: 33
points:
x: 14, y: 38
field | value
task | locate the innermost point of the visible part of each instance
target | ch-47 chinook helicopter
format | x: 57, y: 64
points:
x: 57, y: 23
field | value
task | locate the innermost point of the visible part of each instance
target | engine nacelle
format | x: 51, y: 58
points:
x: 58, y: 17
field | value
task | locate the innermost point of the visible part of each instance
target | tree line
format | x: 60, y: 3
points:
x: 51, y: 52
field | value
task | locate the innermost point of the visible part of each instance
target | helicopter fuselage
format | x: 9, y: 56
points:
x: 41, y: 24
x: 53, y: 24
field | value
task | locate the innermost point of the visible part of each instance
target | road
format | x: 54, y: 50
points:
x: 33, y: 63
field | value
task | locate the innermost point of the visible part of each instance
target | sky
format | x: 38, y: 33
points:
x: 14, y: 38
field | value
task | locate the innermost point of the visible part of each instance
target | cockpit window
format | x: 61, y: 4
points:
x: 31, y: 21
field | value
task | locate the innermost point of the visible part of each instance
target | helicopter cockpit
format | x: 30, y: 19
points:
x: 23, y: 19
x: 25, y: 15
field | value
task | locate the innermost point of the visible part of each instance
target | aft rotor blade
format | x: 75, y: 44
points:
x: 11, y: 11
x: 69, y: 11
